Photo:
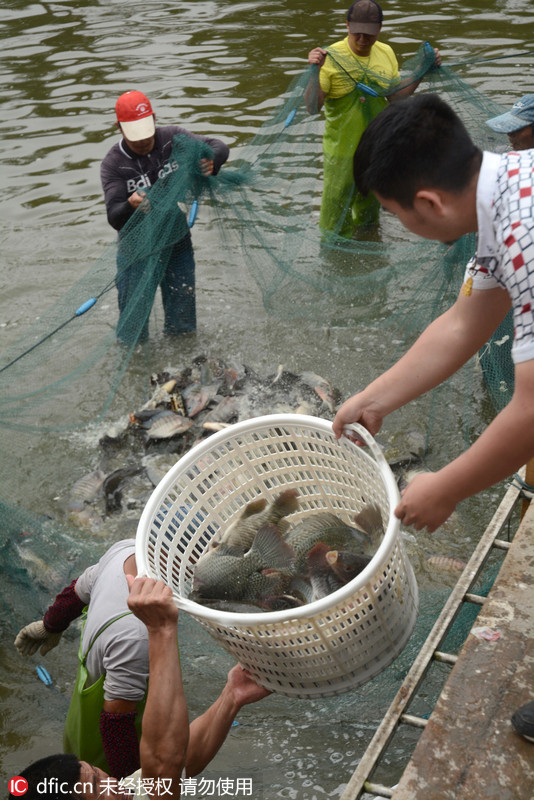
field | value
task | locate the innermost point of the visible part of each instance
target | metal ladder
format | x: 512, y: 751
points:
x: 396, y: 713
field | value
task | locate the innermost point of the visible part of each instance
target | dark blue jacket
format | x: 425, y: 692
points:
x: 123, y: 172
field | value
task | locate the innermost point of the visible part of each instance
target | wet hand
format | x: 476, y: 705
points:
x: 34, y: 636
x: 206, y: 166
x: 437, y: 62
x: 139, y: 199
x: 244, y: 687
x: 425, y: 503
x: 356, y: 409
x: 152, y: 602
x: 317, y: 56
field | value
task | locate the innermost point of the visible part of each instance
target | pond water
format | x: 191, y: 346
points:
x: 218, y: 68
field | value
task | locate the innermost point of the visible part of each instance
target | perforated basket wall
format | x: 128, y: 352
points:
x: 324, y: 648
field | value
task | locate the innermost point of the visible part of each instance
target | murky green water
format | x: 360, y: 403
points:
x: 218, y: 68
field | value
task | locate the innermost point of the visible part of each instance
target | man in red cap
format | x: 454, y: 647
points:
x: 131, y: 167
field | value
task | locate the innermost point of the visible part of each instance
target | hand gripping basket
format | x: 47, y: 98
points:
x: 317, y: 650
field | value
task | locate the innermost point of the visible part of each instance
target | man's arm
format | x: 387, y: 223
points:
x: 119, y: 737
x: 119, y: 205
x: 443, y: 347
x: 165, y: 729
x: 221, y: 151
x: 407, y: 87
x: 46, y: 633
x: 125, y: 664
x: 208, y: 732
x: 506, y: 444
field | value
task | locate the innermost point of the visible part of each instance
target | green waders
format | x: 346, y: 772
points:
x: 81, y: 734
x: 343, y: 208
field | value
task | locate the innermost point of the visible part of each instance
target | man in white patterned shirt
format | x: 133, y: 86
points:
x: 418, y: 159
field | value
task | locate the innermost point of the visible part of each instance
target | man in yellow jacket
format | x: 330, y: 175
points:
x: 357, y: 78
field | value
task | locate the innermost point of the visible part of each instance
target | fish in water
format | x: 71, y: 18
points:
x: 167, y: 424
x: 224, y: 573
x: 255, y: 514
x: 113, y: 486
x: 86, y: 489
x: 42, y: 572
x: 322, y: 388
x: 161, y: 394
x: 327, y: 528
x: 197, y: 396
x: 225, y: 410
x: 211, y: 394
x: 408, y: 475
x: 449, y: 563
x: 213, y: 427
x: 144, y: 415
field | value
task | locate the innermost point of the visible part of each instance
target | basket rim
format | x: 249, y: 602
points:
x: 235, y: 619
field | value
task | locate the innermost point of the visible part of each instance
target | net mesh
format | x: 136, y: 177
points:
x: 264, y: 205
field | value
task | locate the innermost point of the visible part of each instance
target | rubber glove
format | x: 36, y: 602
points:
x: 33, y: 636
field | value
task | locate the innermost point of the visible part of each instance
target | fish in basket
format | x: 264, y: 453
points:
x: 332, y: 612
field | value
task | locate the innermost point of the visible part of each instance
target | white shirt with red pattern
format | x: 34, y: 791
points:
x: 505, y: 248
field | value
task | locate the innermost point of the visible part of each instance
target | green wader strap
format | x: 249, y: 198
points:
x: 81, y: 734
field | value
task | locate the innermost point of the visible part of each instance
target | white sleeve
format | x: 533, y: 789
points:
x: 84, y: 584
x: 478, y: 272
x: 126, y: 661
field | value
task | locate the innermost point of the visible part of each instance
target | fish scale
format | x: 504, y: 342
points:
x: 168, y: 424
x: 327, y: 528
x: 221, y: 574
x: 244, y: 529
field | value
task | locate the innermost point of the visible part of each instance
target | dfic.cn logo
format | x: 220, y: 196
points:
x: 18, y: 786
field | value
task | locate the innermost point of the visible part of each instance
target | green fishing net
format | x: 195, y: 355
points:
x: 266, y: 206
x: 264, y: 211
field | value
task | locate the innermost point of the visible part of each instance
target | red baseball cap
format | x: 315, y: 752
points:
x: 135, y: 115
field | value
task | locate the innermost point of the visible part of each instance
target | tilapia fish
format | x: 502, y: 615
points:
x: 86, y: 489
x: 255, y: 514
x: 272, y: 578
x: 369, y: 520
x: 327, y: 528
x: 323, y: 389
x: 166, y: 425
x: 161, y: 394
x: 322, y: 578
x: 329, y: 570
x: 234, y: 606
x: 449, y: 563
x: 196, y: 397
x: 224, y: 572
x: 225, y: 410
x: 113, y: 486
x: 346, y: 565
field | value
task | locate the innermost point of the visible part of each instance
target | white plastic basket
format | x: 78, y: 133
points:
x: 320, y: 649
